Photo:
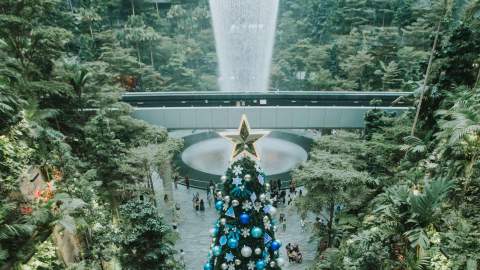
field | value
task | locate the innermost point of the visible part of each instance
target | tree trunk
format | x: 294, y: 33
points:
x: 427, y: 73
x: 151, y: 56
x: 330, y: 224
x: 133, y: 7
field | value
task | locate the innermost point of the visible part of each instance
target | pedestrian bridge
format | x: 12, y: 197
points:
x: 276, y: 110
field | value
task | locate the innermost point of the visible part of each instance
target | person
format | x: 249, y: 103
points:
x: 175, y: 181
x: 187, y: 182
x: 194, y: 200
x: 211, y: 187
x: 202, y: 205
x: 283, y: 194
x: 182, y: 257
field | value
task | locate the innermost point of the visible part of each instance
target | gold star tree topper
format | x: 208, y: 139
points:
x: 244, y: 141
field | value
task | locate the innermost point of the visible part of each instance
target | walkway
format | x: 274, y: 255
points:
x: 195, y: 239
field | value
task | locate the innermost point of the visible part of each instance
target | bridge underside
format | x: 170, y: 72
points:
x: 284, y: 117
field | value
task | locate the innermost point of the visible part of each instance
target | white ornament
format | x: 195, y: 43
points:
x: 223, y: 178
x: 238, y: 262
x: 223, y: 221
x: 247, y: 205
x: 245, y: 232
x: 263, y: 197
x: 235, y: 203
x: 224, y: 266
x: 219, y: 194
x: 265, y: 219
x: 237, y: 170
x: 226, y: 199
x: 257, y: 206
x: 272, y: 264
x: 258, y: 251
x: 231, y: 266
x: 267, y: 186
x: 251, y: 265
x: 246, y: 251
x: 248, y: 177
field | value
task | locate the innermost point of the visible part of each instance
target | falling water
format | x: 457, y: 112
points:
x: 244, y: 35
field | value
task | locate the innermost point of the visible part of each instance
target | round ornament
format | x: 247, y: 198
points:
x: 238, y: 262
x: 219, y: 205
x: 214, y: 231
x: 258, y: 251
x: 217, y: 250
x: 219, y: 194
x: 246, y: 251
x: 207, y: 266
x: 223, y: 221
x: 276, y: 245
x: 244, y: 218
x: 267, y: 186
x: 248, y: 177
x: 265, y: 219
x: 263, y: 197
x: 260, y: 265
x: 223, y: 178
x: 256, y: 232
x: 224, y: 266
x: 235, y: 203
x: 232, y: 243
x: 272, y: 264
x: 226, y: 199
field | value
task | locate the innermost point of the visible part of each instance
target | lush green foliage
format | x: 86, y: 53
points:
x: 418, y: 211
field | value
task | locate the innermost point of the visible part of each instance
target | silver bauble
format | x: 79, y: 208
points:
x: 224, y: 266
x: 246, y: 251
x: 267, y: 186
x: 223, y: 221
x: 238, y: 262
x: 258, y: 251
x: 248, y: 177
x: 272, y: 264
x: 226, y: 198
x: 219, y: 194
x: 235, y: 203
x: 223, y: 178
x: 263, y: 197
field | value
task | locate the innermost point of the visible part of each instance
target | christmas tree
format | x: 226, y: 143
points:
x: 243, y: 237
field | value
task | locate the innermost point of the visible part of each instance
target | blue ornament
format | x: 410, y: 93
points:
x: 256, y: 232
x: 219, y: 205
x: 276, y: 245
x: 214, y: 231
x: 230, y: 212
x: 244, y: 218
x: 260, y: 265
x: 267, y: 238
x: 207, y: 266
x: 217, y: 250
x: 232, y: 243
x: 223, y: 240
